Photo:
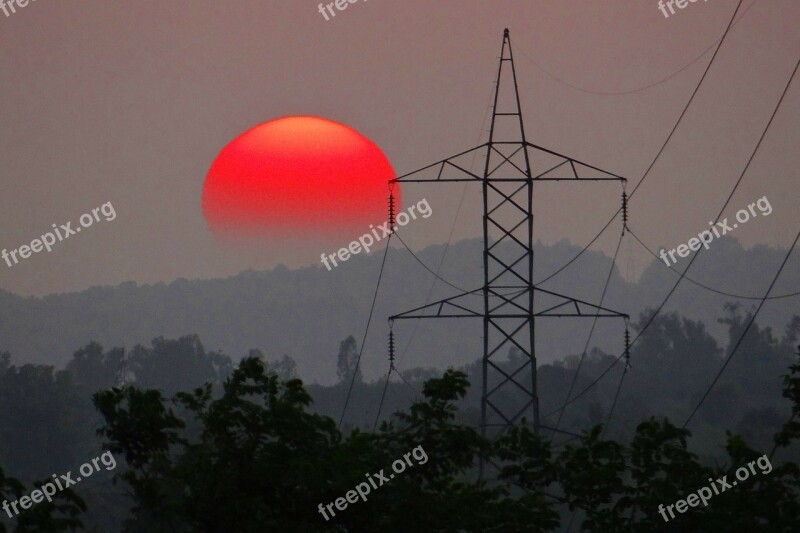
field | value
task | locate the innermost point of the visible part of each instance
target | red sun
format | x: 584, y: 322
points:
x: 297, y: 175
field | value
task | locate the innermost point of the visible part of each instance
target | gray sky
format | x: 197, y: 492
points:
x: 129, y: 102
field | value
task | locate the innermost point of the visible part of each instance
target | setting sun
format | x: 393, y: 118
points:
x: 297, y: 174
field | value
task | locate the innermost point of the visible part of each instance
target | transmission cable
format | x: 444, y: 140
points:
x: 638, y: 89
x: 589, y: 338
x: 383, y: 397
x: 433, y: 282
x: 723, y: 293
x: 647, y: 172
x: 366, y: 330
x: 584, y: 249
x: 436, y: 275
x: 614, y: 402
x: 644, y: 176
x: 691, y: 262
x: 450, y: 235
x: 775, y: 279
x: 663, y: 146
x: 744, y: 333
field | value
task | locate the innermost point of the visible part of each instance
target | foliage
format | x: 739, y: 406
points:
x: 55, y: 516
x: 248, y: 448
x: 264, y: 462
x: 347, y: 361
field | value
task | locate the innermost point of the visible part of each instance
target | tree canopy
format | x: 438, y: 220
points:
x: 255, y: 459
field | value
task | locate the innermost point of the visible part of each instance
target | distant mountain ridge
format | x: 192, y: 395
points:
x: 306, y: 312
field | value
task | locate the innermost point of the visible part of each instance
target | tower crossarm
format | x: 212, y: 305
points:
x: 504, y: 305
x: 564, y: 306
x: 572, y: 169
x: 453, y: 307
x: 546, y: 165
x: 451, y: 169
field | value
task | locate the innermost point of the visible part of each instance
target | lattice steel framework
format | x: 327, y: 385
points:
x: 506, y: 300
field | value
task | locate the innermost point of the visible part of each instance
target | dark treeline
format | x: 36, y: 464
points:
x: 49, y: 424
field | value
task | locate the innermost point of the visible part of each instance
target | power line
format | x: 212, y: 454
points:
x: 452, y: 230
x: 689, y: 103
x: 638, y: 89
x: 614, y: 402
x: 402, y: 377
x: 383, y: 397
x: 385, y: 387
x: 585, y: 248
x: 589, y: 338
x: 435, y: 274
x: 761, y: 303
x: 644, y: 176
x: 690, y: 280
x: 663, y: 146
x: 723, y: 293
x: 691, y: 262
x: 366, y: 330
x: 744, y: 333
x: 392, y: 368
x: 588, y: 387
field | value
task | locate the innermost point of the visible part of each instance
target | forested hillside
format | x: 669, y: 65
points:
x: 304, y: 313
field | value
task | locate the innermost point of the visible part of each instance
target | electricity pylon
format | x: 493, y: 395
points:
x: 506, y: 300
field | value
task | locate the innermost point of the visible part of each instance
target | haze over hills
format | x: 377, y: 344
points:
x: 305, y: 313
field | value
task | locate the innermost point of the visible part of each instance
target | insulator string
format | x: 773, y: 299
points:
x: 627, y: 347
x: 391, y: 211
x: 391, y: 350
x: 624, y: 211
x: 388, y: 375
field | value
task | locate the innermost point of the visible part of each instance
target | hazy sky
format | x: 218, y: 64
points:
x: 129, y: 102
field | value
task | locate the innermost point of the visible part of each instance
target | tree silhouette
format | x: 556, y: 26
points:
x: 347, y: 361
x: 261, y: 461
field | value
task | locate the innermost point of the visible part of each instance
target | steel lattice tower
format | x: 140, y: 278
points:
x: 506, y: 300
